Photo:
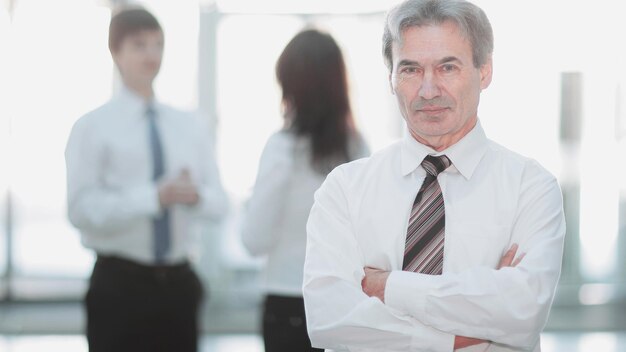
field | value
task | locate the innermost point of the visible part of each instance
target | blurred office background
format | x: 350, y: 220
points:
x: 558, y: 95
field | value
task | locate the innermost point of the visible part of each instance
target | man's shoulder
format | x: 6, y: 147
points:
x: 101, y: 110
x: 517, y: 162
x: 97, y: 116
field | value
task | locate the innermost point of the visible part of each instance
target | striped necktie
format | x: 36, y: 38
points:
x: 423, y: 252
x: 160, y: 223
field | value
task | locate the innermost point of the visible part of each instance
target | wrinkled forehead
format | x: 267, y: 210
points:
x: 432, y: 42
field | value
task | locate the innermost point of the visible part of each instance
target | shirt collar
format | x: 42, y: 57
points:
x: 133, y: 103
x: 464, y: 154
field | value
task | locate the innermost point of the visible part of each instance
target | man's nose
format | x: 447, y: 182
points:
x: 154, y: 51
x: 429, y: 88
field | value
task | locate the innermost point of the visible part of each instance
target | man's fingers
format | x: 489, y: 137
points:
x: 187, y: 197
x: 518, y: 260
x: 508, y: 257
x: 509, y: 260
x: 185, y: 175
x: 373, y: 283
x: 462, y: 342
x: 368, y: 271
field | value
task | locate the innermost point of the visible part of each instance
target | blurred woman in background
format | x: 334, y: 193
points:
x: 318, y: 135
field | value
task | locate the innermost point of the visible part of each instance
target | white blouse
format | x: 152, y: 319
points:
x: 275, y: 217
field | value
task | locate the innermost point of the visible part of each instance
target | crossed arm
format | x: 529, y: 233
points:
x: 374, y: 282
x: 401, y: 311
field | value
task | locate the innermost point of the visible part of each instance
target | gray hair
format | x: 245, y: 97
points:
x: 471, y: 20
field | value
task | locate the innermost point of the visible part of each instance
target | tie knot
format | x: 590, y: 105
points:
x: 435, y: 164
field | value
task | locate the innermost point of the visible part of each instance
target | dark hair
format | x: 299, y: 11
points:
x: 312, y: 74
x: 471, y: 20
x: 129, y: 21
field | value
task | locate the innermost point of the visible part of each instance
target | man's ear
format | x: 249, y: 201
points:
x: 486, y: 73
x: 391, y: 84
x: 114, y: 57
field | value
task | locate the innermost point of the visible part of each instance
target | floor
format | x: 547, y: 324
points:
x: 77, y: 343
x: 551, y: 342
x: 52, y: 327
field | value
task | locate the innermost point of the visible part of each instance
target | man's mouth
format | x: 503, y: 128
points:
x: 432, y: 109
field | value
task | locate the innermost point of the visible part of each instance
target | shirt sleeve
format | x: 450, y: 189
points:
x: 91, y: 205
x: 510, y: 305
x: 213, y: 203
x: 339, y: 314
x: 266, y: 206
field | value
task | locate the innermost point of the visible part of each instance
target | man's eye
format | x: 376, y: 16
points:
x: 448, y: 68
x: 139, y: 44
x: 408, y: 70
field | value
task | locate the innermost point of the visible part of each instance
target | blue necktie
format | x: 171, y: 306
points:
x: 161, y: 223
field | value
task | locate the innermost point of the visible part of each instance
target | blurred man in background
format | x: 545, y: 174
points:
x: 138, y: 174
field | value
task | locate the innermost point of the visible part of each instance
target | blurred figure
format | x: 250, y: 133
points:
x: 318, y: 134
x: 138, y: 173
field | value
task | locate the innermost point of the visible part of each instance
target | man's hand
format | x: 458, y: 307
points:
x: 180, y: 190
x: 374, y: 282
x: 507, y: 260
x: 462, y: 342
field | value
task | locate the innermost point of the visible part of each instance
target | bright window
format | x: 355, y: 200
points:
x: 59, y: 70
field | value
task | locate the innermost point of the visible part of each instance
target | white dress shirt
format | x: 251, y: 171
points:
x: 275, y: 218
x: 493, y: 198
x: 111, y: 195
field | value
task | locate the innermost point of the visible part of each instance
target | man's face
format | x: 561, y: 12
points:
x: 436, y: 84
x: 139, y: 57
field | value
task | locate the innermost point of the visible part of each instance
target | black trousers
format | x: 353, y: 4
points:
x: 284, y: 325
x: 134, y: 307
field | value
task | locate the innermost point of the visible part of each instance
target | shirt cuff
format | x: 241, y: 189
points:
x: 406, y: 295
x: 212, y: 204
x: 402, y: 294
x: 436, y: 341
